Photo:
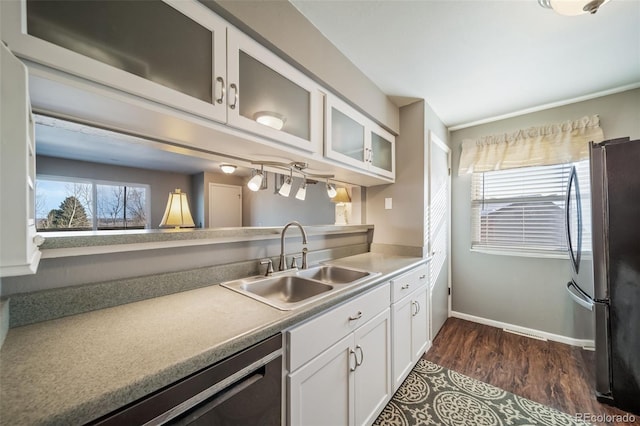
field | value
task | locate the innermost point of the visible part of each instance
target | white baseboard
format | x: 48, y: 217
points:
x: 585, y: 343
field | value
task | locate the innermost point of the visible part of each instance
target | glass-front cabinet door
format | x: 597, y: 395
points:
x: 382, y: 154
x: 352, y: 138
x: 269, y: 97
x: 172, y: 52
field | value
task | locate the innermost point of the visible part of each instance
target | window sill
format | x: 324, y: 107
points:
x: 521, y: 253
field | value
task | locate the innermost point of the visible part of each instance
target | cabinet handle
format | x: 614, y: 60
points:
x: 416, y: 306
x: 223, y: 90
x: 359, y: 363
x: 355, y: 357
x: 404, y: 287
x: 422, y: 277
x: 356, y: 316
x: 236, y: 92
x: 370, y: 156
x: 419, y: 307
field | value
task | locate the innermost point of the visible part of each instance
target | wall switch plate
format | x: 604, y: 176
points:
x: 388, y: 203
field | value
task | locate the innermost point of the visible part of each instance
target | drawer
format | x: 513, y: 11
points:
x: 406, y: 283
x: 314, y: 336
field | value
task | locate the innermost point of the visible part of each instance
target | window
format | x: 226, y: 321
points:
x: 70, y: 204
x: 523, y: 209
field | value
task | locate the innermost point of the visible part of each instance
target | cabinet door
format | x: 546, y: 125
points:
x: 382, y: 155
x: 264, y: 87
x: 373, y: 371
x: 345, y: 133
x: 322, y: 392
x: 419, y: 325
x: 402, y: 340
x: 172, y: 52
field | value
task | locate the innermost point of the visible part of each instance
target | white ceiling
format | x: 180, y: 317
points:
x: 474, y: 60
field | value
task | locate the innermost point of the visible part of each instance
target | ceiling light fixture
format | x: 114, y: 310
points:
x: 228, y: 168
x: 270, y: 119
x: 572, y: 7
x: 255, y: 183
x: 331, y: 189
x: 285, y: 189
x: 302, y: 191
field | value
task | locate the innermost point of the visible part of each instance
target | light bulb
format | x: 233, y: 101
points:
x: 302, y: 192
x: 331, y: 190
x: 255, y: 182
x: 285, y: 189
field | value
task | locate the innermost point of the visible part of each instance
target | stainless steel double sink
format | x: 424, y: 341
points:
x: 294, y: 288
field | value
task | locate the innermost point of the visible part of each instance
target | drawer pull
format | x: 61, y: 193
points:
x: 422, y: 277
x: 356, y: 316
x: 404, y: 287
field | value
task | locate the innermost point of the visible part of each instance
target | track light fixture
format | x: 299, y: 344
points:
x: 255, y: 183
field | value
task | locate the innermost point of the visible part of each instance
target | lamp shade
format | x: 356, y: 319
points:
x: 177, y: 213
x: 302, y: 191
x: 342, y: 196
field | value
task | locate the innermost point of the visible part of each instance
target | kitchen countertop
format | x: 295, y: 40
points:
x: 74, y: 369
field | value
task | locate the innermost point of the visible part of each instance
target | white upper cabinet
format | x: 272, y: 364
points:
x: 172, y: 52
x: 19, y: 253
x: 264, y: 87
x: 353, y: 139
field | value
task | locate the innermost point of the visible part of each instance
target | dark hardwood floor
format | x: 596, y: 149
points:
x: 551, y: 373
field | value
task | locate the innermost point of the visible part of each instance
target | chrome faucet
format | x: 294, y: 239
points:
x: 283, y: 264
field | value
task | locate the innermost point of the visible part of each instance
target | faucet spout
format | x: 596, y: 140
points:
x: 282, y: 265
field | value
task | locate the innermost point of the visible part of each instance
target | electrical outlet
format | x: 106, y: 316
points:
x: 388, y: 203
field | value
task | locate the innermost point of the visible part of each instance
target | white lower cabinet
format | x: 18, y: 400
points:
x: 348, y: 383
x: 410, y: 323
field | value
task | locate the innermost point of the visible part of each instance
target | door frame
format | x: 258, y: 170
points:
x: 433, y: 139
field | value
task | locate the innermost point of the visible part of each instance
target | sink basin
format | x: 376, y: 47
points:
x: 333, y: 274
x: 292, y: 289
x: 284, y: 292
x: 287, y: 289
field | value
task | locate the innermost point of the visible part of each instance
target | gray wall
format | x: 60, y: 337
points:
x: 266, y: 208
x: 282, y: 25
x: 160, y: 183
x: 402, y: 229
x: 523, y: 291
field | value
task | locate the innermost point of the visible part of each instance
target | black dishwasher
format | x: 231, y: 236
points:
x: 244, y: 389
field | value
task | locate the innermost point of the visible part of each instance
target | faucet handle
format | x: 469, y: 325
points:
x: 294, y: 264
x: 269, y: 268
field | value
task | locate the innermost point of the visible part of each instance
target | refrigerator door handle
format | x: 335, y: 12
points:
x: 579, y: 296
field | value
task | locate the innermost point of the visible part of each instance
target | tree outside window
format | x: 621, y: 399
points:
x: 62, y: 204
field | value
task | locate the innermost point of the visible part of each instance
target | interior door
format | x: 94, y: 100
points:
x: 439, y: 231
x: 225, y: 205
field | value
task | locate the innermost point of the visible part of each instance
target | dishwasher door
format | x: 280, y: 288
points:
x: 244, y: 389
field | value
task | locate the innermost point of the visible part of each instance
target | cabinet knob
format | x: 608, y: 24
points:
x: 356, y: 316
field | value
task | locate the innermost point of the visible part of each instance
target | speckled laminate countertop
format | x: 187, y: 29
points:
x: 74, y: 369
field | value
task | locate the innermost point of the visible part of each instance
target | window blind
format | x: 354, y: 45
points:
x: 524, y: 209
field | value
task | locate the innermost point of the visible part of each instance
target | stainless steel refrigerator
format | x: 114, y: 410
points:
x: 615, y: 212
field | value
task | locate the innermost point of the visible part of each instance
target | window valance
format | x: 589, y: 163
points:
x: 537, y: 146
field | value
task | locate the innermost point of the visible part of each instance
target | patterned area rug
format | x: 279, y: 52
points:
x: 433, y: 395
